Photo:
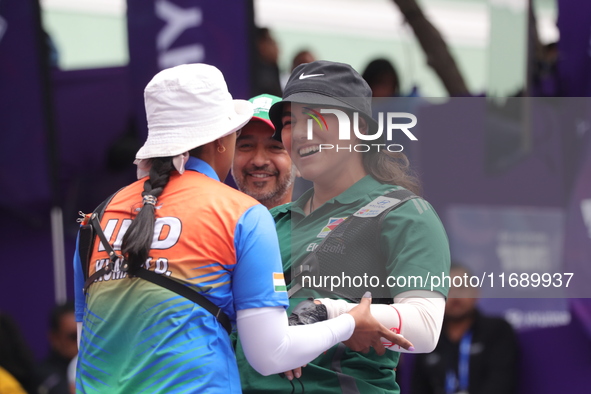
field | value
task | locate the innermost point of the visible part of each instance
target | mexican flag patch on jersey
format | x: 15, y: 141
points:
x: 332, y: 223
x: 279, y: 282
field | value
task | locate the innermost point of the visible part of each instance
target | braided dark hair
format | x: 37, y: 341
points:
x: 137, y: 240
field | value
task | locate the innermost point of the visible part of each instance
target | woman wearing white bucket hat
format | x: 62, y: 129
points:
x: 179, y: 224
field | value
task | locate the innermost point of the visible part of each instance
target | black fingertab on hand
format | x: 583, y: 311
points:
x: 308, y: 312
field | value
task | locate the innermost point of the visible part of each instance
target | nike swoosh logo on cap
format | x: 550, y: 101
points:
x: 309, y: 76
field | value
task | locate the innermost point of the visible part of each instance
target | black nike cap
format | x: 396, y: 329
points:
x: 325, y: 83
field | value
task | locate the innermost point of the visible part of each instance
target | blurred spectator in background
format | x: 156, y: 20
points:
x: 303, y: 56
x: 266, y: 70
x: 63, y: 343
x: 475, y: 354
x: 51, y: 48
x: 382, y: 78
x: 545, y: 73
x: 16, y: 360
x: 262, y: 167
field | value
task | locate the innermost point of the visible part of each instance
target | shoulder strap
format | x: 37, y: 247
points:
x: 186, y: 292
x: 402, y: 195
x: 88, y: 233
x: 385, y: 203
x: 159, y: 280
x: 95, y: 223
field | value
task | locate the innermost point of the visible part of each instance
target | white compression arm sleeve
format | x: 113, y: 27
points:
x: 271, y: 346
x: 418, y: 314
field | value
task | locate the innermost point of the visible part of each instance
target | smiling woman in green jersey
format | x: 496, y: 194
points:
x: 401, y: 240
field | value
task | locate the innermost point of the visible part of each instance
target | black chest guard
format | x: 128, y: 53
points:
x: 350, y: 257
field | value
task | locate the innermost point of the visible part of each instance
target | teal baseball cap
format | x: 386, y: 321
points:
x: 262, y: 103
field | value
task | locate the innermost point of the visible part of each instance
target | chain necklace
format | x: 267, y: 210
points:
x: 311, y: 203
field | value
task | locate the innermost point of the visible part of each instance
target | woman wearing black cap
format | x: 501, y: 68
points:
x: 361, y: 225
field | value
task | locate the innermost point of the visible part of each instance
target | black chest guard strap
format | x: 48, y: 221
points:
x: 87, y: 236
x: 351, y: 255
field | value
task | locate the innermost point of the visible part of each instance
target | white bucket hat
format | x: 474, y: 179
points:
x: 189, y: 106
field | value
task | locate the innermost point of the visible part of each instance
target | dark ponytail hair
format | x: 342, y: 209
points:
x: 138, y: 237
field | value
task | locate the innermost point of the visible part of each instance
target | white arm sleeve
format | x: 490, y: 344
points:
x: 418, y: 314
x: 271, y: 346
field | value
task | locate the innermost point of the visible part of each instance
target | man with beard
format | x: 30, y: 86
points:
x: 262, y: 167
x: 475, y: 354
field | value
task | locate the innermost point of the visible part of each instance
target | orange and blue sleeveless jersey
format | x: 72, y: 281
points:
x: 138, y: 337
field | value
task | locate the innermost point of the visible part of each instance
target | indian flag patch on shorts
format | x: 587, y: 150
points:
x: 279, y: 282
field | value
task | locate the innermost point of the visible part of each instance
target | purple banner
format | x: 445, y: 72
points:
x: 24, y: 142
x: 508, y: 174
x: 513, y: 251
x: 167, y: 33
x: 515, y: 257
x: 97, y: 148
x: 574, y: 48
x: 577, y: 246
x: 24, y: 176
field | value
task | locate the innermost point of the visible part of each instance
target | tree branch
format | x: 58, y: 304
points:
x: 438, y: 56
